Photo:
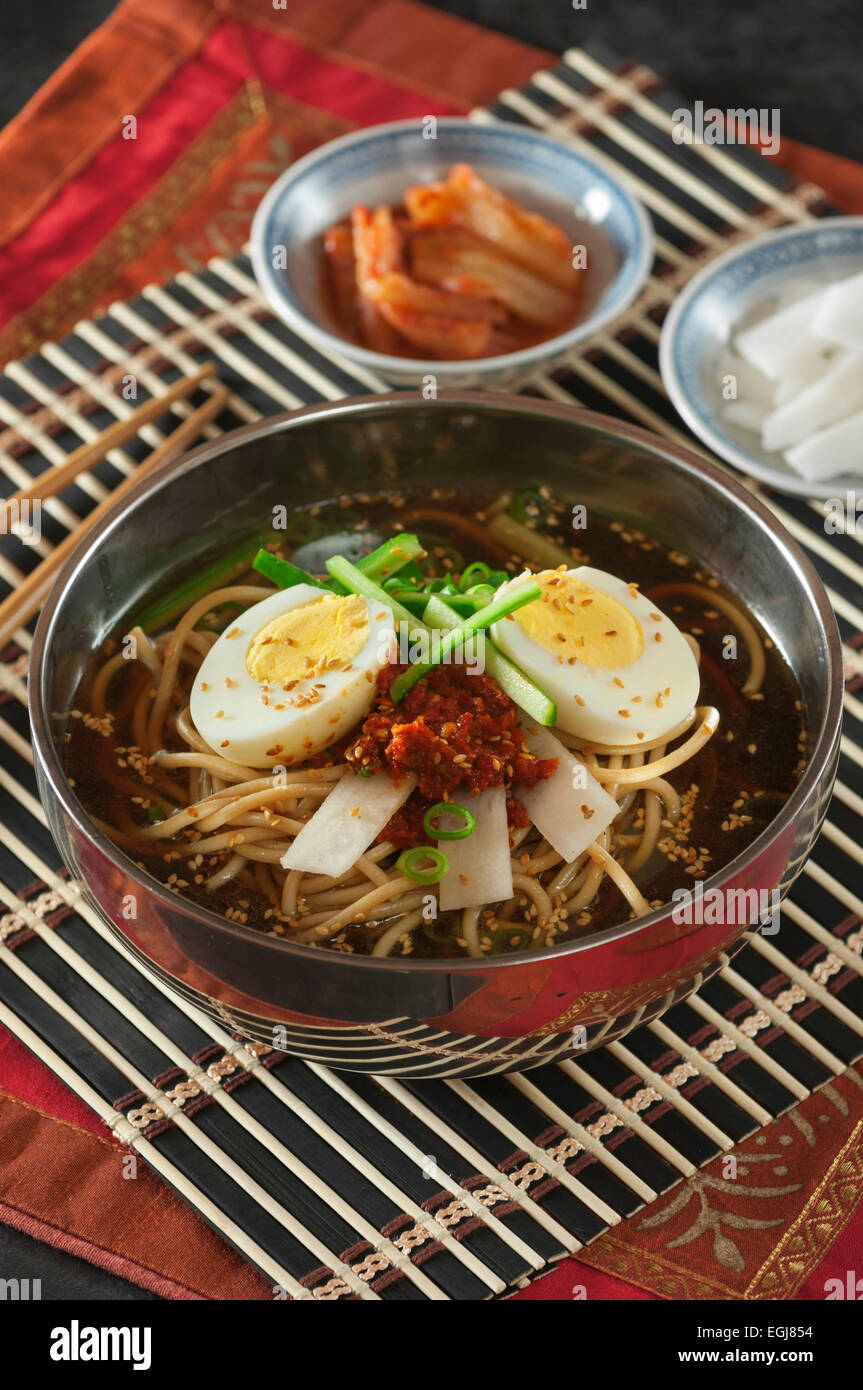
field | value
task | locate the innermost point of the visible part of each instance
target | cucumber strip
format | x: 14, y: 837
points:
x: 390, y: 557
x: 282, y: 572
x: 516, y: 596
x: 379, y: 564
x: 416, y: 600
x: 512, y: 681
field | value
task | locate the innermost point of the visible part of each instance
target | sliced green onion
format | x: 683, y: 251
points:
x: 358, y: 583
x: 155, y: 814
x: 512, y: 681
x: 406, y: 594
x: 481, y: 569
x: 393, y: 555
x: 520, y: 593
x: 502, y: 939
x: 390, y: 557
x: 448, y: 808
x: 433, y: 562
x: 409, y: 860
x: 282, y: 572
x: 530, y: 507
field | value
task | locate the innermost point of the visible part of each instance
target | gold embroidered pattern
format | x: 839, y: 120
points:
x: 334, y: 1288
x: 145, y: 1115
x: 10, y: 922
x: 183, y: 1091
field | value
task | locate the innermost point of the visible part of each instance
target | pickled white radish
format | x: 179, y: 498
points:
x: 346, y: 823
x: 838, y: 449
x: 749, y: 383
x: 840, y: 314
x: 745, y: 414
x: 785, y: 342
x: 480, y: 869
x: 835, y: 396
x: 795, y: 382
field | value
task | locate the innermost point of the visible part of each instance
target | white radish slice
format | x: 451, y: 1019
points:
x: 795, y: 290
x: 745, y: 414
x: 838, y: 449
x: 813, y: 370
x: 840, y: 314
x: 784, y: 342
x: 480, y: 869
x: 346, y: 823
x: 569, y: 808
x: 836, y: 396
x: 752, y: 385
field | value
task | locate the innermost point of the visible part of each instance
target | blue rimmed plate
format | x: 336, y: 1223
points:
x: 377, y: 165
x: 701, y: 323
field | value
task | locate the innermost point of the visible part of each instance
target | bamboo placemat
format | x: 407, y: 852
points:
x: 339, y: 1186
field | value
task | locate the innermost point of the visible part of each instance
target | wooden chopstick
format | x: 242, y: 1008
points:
x: 23, y: 602
x: 54, y: 480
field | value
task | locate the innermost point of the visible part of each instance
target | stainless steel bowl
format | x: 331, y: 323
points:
x: 428, y: 1018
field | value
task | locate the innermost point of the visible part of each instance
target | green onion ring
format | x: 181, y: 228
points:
x: 440, y: 935
x: 481, y: 568
x: 448, y: 808
x: 409, y: 857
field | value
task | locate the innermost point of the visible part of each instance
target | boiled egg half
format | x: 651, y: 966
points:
x: 618, y: 669
x: 291, y: 675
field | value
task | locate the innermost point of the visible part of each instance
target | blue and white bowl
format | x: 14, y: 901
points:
x: 701, y: 324
x: 377, y: 165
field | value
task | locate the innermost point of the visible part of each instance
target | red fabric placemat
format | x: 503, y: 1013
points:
x: 223, y: 97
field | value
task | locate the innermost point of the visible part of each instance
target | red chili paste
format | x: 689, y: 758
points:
x: 453, y: 729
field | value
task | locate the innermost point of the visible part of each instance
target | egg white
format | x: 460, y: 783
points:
x: 629, y: 704
x: 261, y: 725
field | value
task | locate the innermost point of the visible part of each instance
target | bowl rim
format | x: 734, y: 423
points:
x: 522, y: 360
x: 693, y: 464
x: 703, y: 425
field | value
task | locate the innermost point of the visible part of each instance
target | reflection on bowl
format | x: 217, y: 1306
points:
x: 377, y: 165
x: 428, y: 1017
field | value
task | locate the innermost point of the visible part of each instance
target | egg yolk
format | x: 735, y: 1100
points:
x: 308, y: 640
x: 581, y: 625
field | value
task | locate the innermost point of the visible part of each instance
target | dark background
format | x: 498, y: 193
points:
x: 802, y: 56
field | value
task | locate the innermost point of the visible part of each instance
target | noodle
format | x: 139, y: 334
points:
x: 636, y: 900
x: 755, y: 647
x: 231, y: 824
x: 384, y: 945
x: 235, y: 817
x: 470, y: 931
x: 639, y: 775
x: 171, y: 661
